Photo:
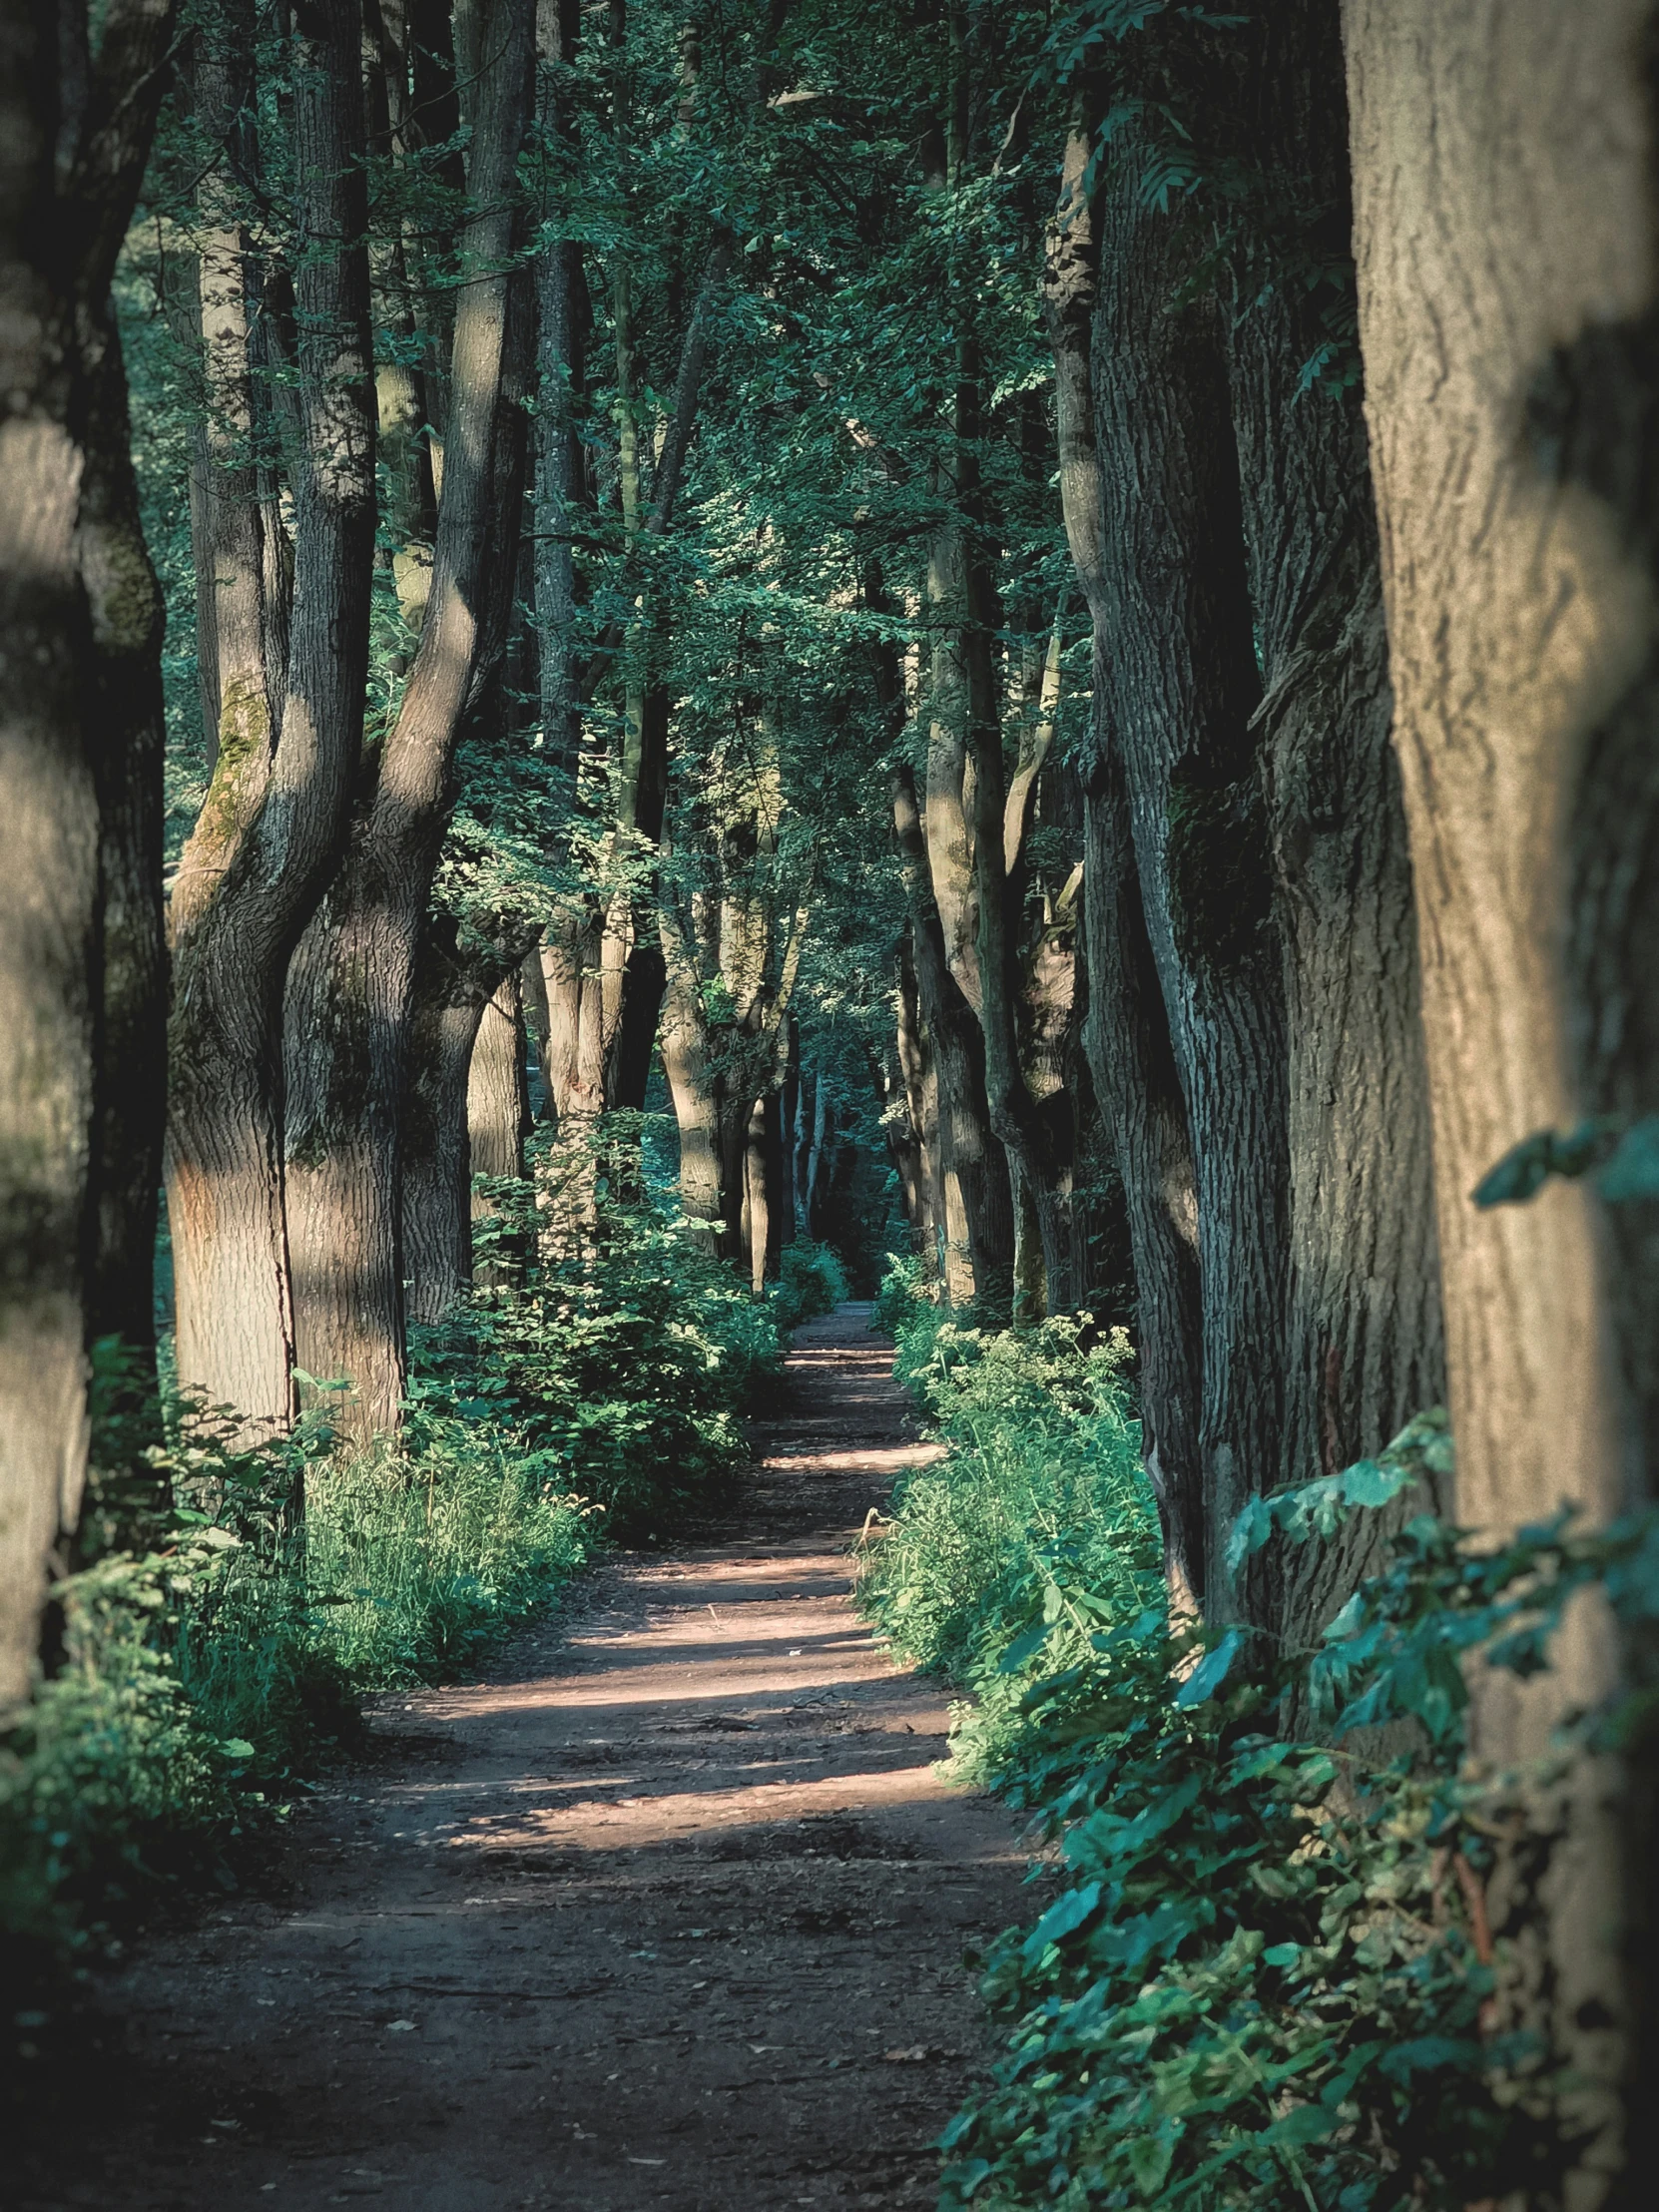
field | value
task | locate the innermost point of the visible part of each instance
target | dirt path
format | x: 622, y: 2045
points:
x: 671, y: 1914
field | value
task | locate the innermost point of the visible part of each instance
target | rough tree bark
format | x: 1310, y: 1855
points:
x: 977, y: 1199
x: 77, y: 602
x: 350, y: 983
x: 456, y: 982
x: 922, y: 1105
x: 270, y: 835
x: 1026, y: 996
x: 1363, y: 1347
x: 1505, y: 242
x: 1181, y: 690
x: 720, y: 1074
x: 1126, y: 1034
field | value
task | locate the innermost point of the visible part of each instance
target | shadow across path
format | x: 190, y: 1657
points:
x: 672, y: 1913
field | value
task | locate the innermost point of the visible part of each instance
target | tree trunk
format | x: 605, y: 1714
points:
x: 788, y: 1112
x: 685, y: 1062
x: 127, y: 730
x: 978, y: 1201
x: 77, y: 601
x: 495, y: 1102
x: 1126, y: 1034
x: 560, y: 480
x: 497, y: 1114
x: 921, y: 1104
x: 756, y: 1201
x: 1363, y: 1345
x: 1180, y: 694
x: 349, y: 991
x: 1132, y: 1063
x: 270, y: 832
x: 1503, y: 225
x: 437, y: 1197
x: 49, y: 837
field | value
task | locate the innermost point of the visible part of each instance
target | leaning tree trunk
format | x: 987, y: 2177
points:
x: 1363, y: 1348
x: 270, y: 834
x: 349, y: 991
x: 1504, y: 221
x: 1126, y: 1032
x: 77, y: 599
x: 1181, y: 693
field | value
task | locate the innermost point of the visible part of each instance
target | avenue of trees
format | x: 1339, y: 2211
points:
x: 1067, y: 588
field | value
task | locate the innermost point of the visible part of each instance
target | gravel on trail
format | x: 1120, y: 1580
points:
x: 670, y: 1912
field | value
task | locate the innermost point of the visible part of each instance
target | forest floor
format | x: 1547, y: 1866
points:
x: 670, y: 1912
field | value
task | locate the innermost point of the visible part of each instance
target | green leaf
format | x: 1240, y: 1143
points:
x: 1523, y: 1171
x: 1149, y: 2160
x: 1023, y: 1648
x: 1633, y: 1171
x: 1063, y: 1918
x: 1211, y: 1672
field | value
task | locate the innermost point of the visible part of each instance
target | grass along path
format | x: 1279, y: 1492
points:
x: 672, y: 1913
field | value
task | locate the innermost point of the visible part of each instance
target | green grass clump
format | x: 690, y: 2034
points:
x: 415, y: 1579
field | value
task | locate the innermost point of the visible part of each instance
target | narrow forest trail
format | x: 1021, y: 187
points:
x: 669, y: 1914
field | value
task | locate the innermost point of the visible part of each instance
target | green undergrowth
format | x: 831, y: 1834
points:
x: 811, y: 1281
x: 195, y: 1681
x: 1264, y: 1972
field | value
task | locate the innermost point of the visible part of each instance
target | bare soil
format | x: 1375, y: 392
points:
x: 671, y: 1913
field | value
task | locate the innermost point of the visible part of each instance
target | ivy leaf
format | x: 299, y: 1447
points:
x: 1211, y: 1672
x: 1527, y: 1167
x: 1633, y: 1171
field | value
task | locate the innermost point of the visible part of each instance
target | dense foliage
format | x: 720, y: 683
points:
x: 1265, y: 1969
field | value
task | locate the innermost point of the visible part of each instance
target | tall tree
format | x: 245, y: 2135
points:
x: 289, y: 736
x: 1180, y: 697
x: 1504, y: 215
x: 1363, y: 1335
x: 1126, y: 1035
x: 349, y: 991
x: 79, y: 874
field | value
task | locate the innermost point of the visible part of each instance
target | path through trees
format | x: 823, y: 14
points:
x: 670, y: 1913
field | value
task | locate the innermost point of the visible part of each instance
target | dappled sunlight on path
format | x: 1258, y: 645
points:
x: 671, y: 1914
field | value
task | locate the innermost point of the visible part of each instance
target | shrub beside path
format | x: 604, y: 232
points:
x: 670, y: 1913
